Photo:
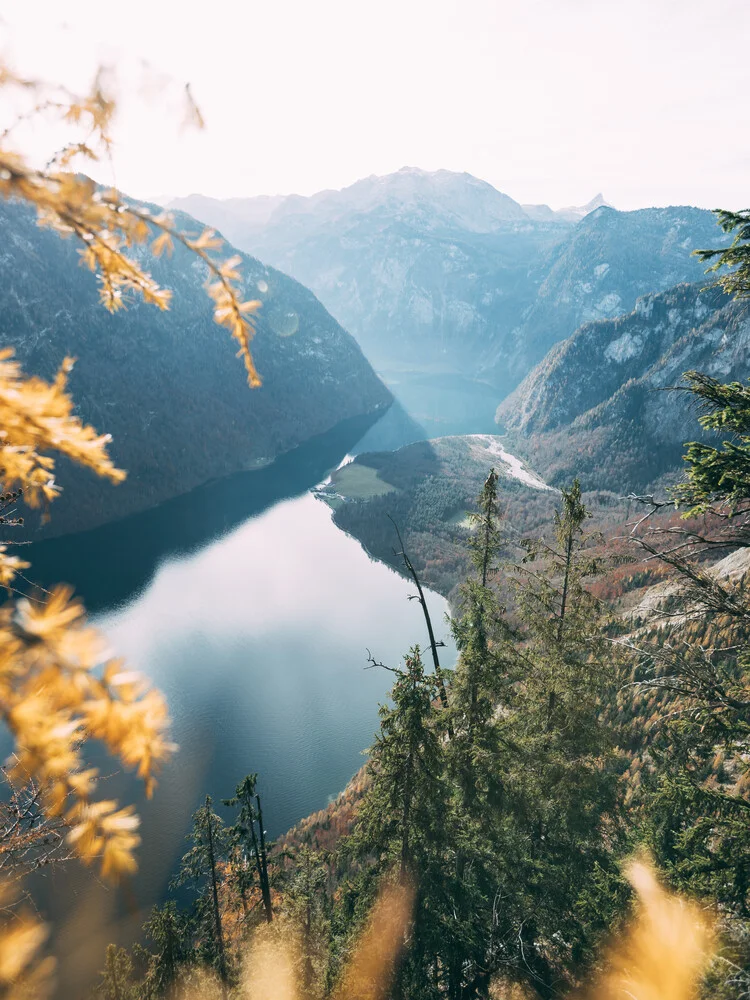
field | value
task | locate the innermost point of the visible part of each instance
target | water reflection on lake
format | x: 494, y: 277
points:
x: 259, y: 641
x: 252, y: 612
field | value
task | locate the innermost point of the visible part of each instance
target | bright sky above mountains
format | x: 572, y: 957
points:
x: 549, y: 100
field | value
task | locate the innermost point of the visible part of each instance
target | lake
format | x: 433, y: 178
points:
x: 252, y: 612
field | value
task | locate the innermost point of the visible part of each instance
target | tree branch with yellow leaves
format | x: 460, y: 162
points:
x: 58, y: 687
x: 108, y: 224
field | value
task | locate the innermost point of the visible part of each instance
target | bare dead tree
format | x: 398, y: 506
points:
x: 30, y: 838
x: 419, y: 596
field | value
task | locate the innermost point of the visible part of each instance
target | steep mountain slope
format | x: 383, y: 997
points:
x: 423, y: 268
x: 591, y: 365
x: 439, y: 272
x: 593, y: 406
x: 167, y: 386
x: 609, y: 260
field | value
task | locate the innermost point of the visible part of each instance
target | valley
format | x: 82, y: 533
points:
x: 439, y: 271
x: 166, y: 385
x: 260, y: 579
x: 374, y: 539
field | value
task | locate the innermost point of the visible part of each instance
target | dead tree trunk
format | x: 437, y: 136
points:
x: 428, y: 621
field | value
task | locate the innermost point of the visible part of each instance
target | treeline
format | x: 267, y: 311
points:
x: 436, y: 485
x: 571, y: 739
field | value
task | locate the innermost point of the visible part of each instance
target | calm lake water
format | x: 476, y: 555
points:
x: 252, y: 612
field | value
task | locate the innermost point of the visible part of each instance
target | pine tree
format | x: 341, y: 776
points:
x: 246, y: 839
x: 306, y: 903
x: 117, y: 979
x: 736, y: 256
x: 718, y: 478
x: 482, y: 633
x: 694, y: 656
x: 404, y: 820
x: 562, y: 782
x: 169, y: 933
x: 481, y: 692
x: 200, y: 868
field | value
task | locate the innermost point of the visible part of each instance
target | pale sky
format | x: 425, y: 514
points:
x: 549, y: 100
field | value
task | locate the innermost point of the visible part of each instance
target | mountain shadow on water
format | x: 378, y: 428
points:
x: 110, y: 564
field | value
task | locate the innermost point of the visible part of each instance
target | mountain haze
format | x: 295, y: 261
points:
x: 441, y: 273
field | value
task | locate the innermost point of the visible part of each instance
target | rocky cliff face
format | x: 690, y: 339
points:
x: 608, y: 261
x: 168, y: 386
x: 440, y: 272
x: 594, y: 406
x: 600, y: 357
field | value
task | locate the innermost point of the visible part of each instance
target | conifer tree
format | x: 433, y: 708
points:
x: 480, y: 682
x: 246, y: 839
x: 693, y: 654
x: 404, y: 820
x: 735, y: 256
x: 480, y: 691
x: 306, y: 902
x: 169, y: 932
x: 200, y: 868
x: 717, y: 478
x: 117, y: 979
x: 562, y: 784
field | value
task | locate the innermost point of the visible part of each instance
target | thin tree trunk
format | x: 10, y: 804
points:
x: 264, y: 886
x: 405, y: 820
x: 112, y: 962
x: 486, y: 556
x: 171, y: 961
x: 552, y: 699
x: 309, y: 971
x: 566, y: 580
x: 474, y: 683
x: 215, y: 893
x: 256, y: 853
x: 428, y: 621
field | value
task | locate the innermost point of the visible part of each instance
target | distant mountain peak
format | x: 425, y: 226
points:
x: 597, y: 202
x: 431, y: 198
x: 574, y: 213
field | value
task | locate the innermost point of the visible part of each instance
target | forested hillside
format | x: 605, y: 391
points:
x: 167, y: 385
x: 542, y: 726
x: 600, y: 405
x: 427, y: 490
x: 572, y: 733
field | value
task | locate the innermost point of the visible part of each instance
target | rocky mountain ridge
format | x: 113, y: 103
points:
x: 608, y: 261
x: 601, y: 356
x: 571, y: 213
x: 441, y: 273
x: 597, y: 405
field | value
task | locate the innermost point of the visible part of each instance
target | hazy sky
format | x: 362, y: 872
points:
x: 549, y: 100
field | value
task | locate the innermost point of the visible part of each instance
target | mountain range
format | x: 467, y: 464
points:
x: 441, y: 273
x: 461, y: 297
